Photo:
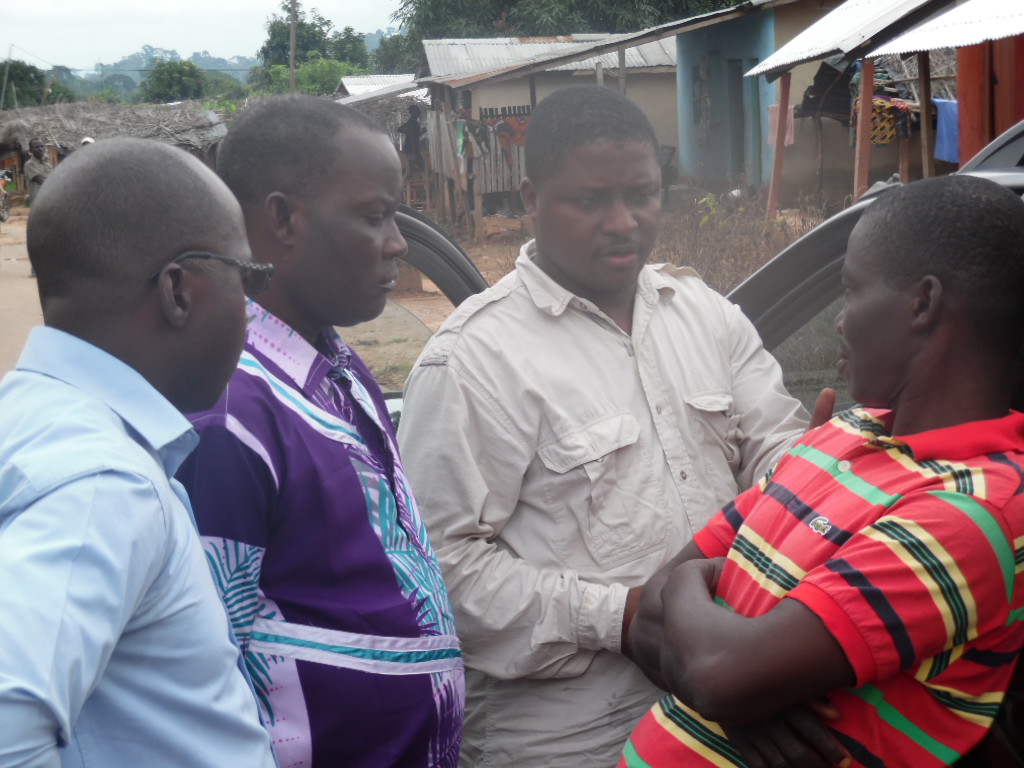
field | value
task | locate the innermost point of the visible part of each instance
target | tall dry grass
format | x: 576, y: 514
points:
x: 726, y: 238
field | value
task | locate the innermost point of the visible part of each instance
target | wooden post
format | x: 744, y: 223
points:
x: 780, y: 146
x: 905, y: 160
x: 533, y: 91
x: 291, y: 47
x: 924, y: 84
x: 862, y: 154
x: 599, y: 69
x: 622, y: 70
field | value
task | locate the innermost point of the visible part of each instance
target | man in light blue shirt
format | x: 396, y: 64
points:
x: 114, y: 647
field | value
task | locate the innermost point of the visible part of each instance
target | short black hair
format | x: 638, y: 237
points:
x: 577, y: 117
x: 284, y: 144
x: 116, y: 214
x: 965, y: 230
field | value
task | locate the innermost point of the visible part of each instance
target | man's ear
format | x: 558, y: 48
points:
x: 528, y: 193
x: 175, y: 291
x: 279, y: 210
x: 927, y: 303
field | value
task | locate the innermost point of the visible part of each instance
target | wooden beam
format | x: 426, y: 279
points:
x: 622, y: 69
x: 862, y: 154
x: 924, y: 83
x: 974, y: 97
x: 780, y: 145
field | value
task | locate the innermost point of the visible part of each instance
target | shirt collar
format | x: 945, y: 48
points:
x: 963, y: 441
x: 300, y: 361
x: 655, y: 281
x: 161, y: 426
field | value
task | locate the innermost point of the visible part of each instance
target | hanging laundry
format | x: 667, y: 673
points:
x: 947, y: 132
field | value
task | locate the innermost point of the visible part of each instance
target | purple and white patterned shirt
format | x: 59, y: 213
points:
x: 324, y: 563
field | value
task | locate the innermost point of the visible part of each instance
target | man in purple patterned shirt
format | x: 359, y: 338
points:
x: 298, y: 489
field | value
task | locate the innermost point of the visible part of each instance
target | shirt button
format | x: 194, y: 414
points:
x: 844, y: 466
x: 657, y: 408
x: 682, y: 475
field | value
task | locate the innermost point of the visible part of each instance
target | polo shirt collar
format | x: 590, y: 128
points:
x: 965, y: 441
x: 305, y: 365
x: 157, y: 423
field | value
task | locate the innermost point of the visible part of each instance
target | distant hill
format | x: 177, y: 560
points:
x: 137, y: 65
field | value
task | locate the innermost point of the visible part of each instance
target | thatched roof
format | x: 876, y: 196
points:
x: 185, y: 124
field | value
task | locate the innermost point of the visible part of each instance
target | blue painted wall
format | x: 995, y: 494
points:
x: 723, y: 116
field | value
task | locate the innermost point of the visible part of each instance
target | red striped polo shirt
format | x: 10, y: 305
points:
x: 911, y: 552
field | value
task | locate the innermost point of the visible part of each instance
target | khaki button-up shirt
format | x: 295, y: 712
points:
x: 558, y: 461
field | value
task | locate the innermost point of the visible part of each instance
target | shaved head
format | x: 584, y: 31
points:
x: 112, y: 216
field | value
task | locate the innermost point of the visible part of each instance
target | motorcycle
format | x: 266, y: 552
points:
x: 5, y: 199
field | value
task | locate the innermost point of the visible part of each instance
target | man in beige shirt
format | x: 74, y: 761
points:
x: 568, y: 430
x: 36, y: 168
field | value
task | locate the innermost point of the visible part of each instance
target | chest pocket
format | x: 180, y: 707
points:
x: 716, y: 427
x: 605, y: 482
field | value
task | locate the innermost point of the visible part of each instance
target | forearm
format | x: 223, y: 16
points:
x: 736, y: 669
x: 517, y: 620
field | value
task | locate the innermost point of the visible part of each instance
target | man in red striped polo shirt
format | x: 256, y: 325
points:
x: 882, y: 561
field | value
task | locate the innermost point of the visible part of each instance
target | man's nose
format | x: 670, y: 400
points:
x: 620, y: 217
x: 395, y: 245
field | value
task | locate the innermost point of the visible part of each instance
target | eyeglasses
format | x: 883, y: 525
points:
x: 255, y: 276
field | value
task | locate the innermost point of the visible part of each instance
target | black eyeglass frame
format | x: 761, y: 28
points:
x: 255, y: 276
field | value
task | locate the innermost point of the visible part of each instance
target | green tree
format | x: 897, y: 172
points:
x: 222, y: 87
x: 173, y: 81
x: 349, y: 46
x: 311, y: 34
x: 395, y: 55
x: 29, y: 86
x: 122, y: 86
x: 428, y: 19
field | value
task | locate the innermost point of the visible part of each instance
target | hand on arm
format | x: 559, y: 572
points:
x: 642, y: 634
x: 796, y: 737
x: 736, y: 669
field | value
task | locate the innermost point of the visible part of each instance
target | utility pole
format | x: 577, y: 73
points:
x: 291, y: 48
x: 3, y: 92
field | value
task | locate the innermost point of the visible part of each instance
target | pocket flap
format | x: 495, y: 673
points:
x: 715, y: 401
x: 590, y: 443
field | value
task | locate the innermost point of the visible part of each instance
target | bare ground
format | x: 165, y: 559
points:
x: 19, y: 300
x: 19, y: 305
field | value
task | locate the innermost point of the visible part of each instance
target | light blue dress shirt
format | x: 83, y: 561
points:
x: 114, y: 647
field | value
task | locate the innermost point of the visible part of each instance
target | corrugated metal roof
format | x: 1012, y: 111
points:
x: 356, y: 85
x: 455, y: 57
x: 402, y: 88
x: 969, y: 24
x: 513, y: 68
x: 847, y: 29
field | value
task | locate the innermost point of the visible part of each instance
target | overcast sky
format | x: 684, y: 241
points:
x: 80, y: 33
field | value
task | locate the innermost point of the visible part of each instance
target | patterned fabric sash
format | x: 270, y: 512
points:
x: 368, y: 653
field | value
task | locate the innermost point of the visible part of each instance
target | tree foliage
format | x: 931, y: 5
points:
x: 29, y: 86
x: 395, y: 55
x: 173, y: 81
x: 313, y: 34
x: 430, y: 19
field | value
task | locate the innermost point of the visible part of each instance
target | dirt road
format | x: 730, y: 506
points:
x: 19, y: 301
x: 389, y: 344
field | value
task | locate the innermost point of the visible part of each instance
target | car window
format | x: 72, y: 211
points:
x: 808, y: 358
x: 390, y: 343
